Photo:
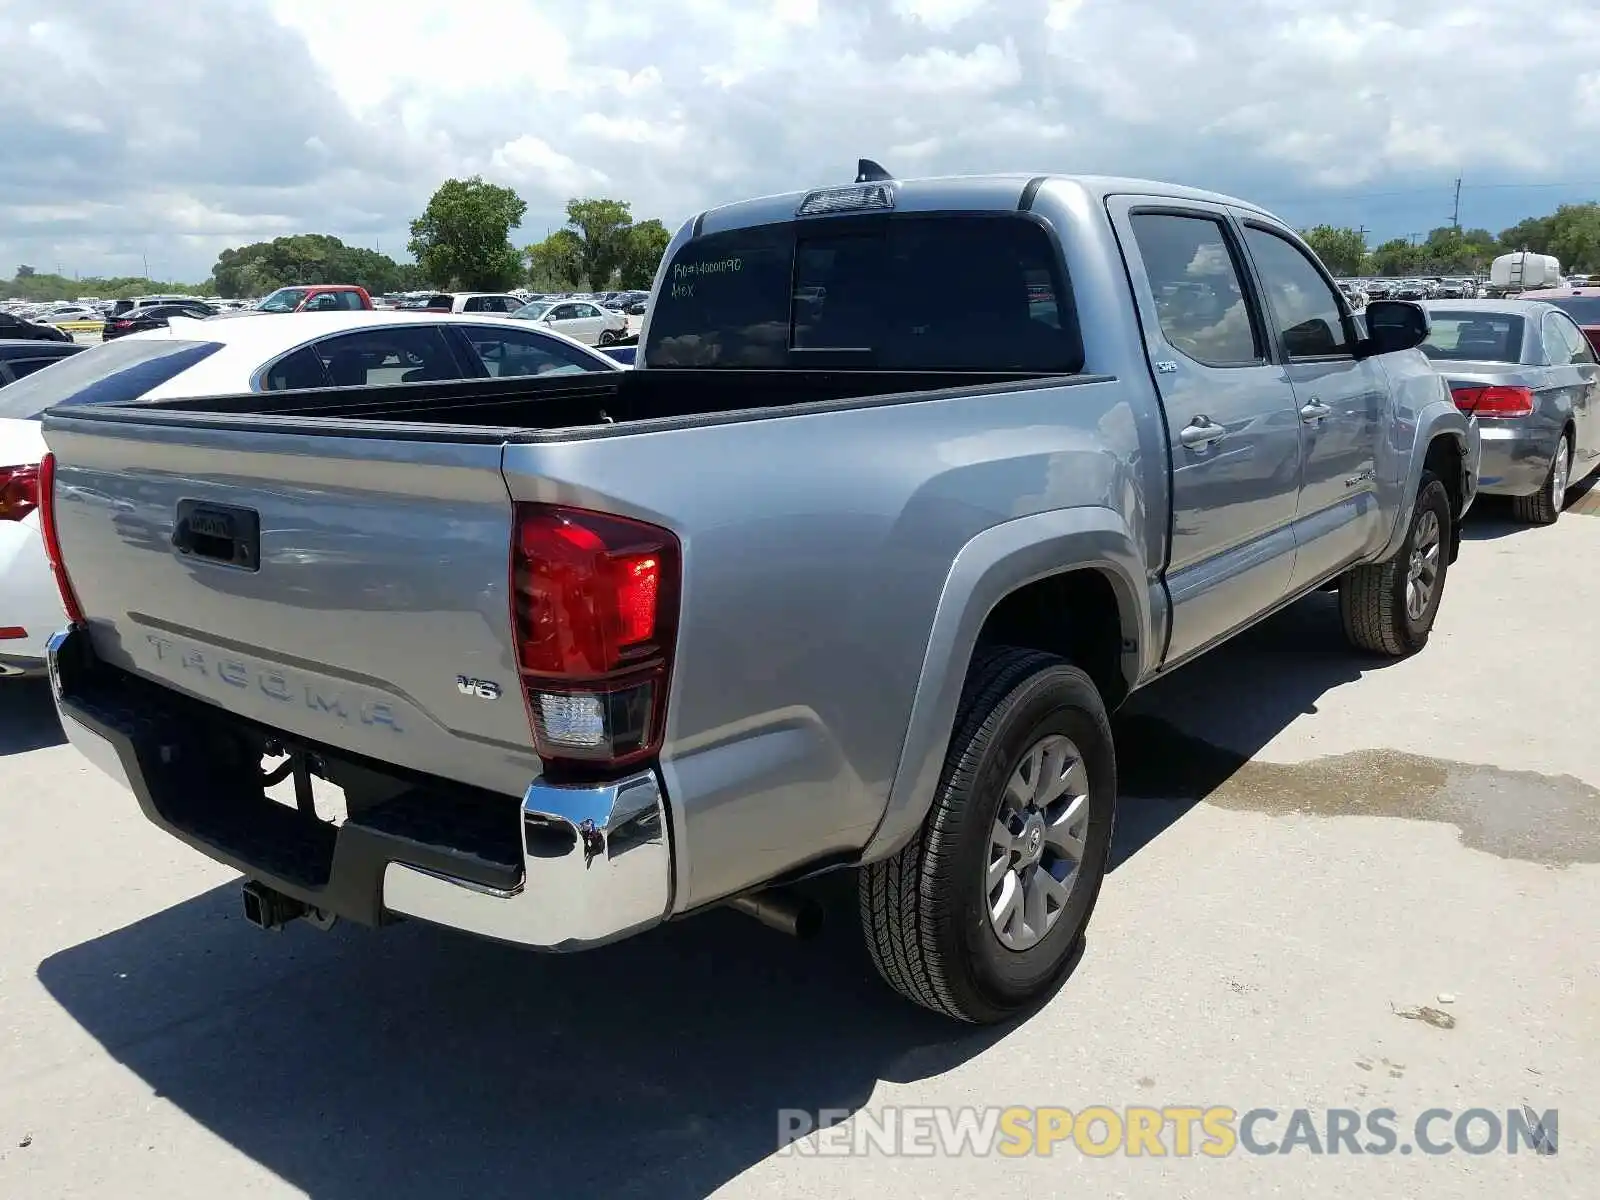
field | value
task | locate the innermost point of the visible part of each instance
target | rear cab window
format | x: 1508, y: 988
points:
x: 118, y: 372
x: 920, y: 292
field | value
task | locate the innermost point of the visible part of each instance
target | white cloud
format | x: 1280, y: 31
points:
x: 225, y: 123
x: 985, y: 68
x: 938, y: 15
x: 531, y: 161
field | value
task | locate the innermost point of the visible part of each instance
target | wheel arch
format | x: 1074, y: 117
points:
x: 1007, y: 586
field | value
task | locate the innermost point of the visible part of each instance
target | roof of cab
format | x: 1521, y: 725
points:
x: 971, y: 193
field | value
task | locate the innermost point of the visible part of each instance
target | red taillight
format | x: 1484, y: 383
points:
x: 19, y: 491
x: 121, y: 323
x: 594, y: 615
x: 52, y: 542
x: 1494, y: 401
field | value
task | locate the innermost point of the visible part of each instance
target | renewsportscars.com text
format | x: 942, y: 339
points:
x: 1179, y: 1131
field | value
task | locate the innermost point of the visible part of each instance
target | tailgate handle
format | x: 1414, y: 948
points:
x: 220, y: 533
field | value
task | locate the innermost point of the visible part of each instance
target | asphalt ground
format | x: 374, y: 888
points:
x: 1339, y: 885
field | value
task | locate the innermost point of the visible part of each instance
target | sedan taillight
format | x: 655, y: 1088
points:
x: 1494, y: 401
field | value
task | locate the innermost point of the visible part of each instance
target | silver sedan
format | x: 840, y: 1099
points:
x: 1531, y: 378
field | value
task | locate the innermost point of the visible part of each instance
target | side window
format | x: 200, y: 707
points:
x: 1195, y: 279
x: 516, y: 352
x: 378, y: 357
x: 564, y: 312
x: 1556, y: 352
x: 1305, y: 305
x: 350, y: 301
x: 586, y: 310
x: 27, y: 366
x: 474, y: 304
x: 1579, y: 351
x: 322, y: 302
x: 302, y: 369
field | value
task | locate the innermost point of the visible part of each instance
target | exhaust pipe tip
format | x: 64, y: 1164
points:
x: 778, y: 908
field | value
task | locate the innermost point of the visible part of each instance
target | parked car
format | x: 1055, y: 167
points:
x: 318, y: 297
x: 15, y: 328
x: 21, y: 357
x: 822, y: 585
x: 471, y: 302
x: 190, y: 358
x: 69, y: 313
x: 154, y: 316
x: 581, y: 319
x: 1581, y: 304
x: 121, y: 308
x: 437, y: 302
x: 1530, y: 378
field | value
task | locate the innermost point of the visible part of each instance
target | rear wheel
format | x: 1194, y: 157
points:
x: 983, y: 912
x: 1389, y: 607
x: 607, y: 337
x: 1544, y: 506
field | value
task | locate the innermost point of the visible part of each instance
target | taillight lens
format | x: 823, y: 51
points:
x: 19, y: 491
x: 1494, y: 401
x: 594, y: 616
x: 52, y: 541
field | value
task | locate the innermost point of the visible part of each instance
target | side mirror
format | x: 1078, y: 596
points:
x: 1394, y: 325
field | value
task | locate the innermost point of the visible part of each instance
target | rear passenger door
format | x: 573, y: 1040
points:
x: 1340, y: 402
x: 1232, y: 424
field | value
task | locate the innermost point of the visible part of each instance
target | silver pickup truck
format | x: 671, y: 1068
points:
x: 913, y: 483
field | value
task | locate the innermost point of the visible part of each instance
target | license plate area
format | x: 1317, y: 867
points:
x: 220, y: 533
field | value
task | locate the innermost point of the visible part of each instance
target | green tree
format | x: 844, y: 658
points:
x: 261, y: 267
x: 1575, y: 236
x: 1532, y: 234
x: 555, y: 264
x: 647, y: 242
x: 1395, y: 257
x: 39, y: 287
x: 462, y: 239
x: 1341, y: 250
x: 602, y: 228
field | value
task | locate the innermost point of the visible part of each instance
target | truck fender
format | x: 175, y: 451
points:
x: 1432, y: 420
x: 988, y: 568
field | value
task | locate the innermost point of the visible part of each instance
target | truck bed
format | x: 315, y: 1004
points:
x: 570, y: 403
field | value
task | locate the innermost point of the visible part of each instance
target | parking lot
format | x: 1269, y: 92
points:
x: 1338, y: 884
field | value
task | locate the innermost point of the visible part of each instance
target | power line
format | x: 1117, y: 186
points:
x: 1334, y: 197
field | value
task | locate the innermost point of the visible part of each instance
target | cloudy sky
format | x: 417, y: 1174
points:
x: 168, y: 129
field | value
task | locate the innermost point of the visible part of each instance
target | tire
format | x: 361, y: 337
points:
x: 1544, y: 506
x: 925, y: 911
x: 1373, y: 598
x: 607, y: 337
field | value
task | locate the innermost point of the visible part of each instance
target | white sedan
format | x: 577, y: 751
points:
x: 218, y: 357
x: 580, y: 319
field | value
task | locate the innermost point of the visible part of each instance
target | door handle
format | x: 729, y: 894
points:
x: 1201, y: 432
x: 1315, y: 411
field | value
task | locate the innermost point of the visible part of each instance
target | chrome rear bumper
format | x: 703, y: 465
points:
x: 596, y: 859
x: 597, y: 867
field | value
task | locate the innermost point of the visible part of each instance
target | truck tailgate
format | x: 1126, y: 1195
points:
x: 343, y: 588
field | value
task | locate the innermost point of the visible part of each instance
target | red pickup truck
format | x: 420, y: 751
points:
x: 316, y: 297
